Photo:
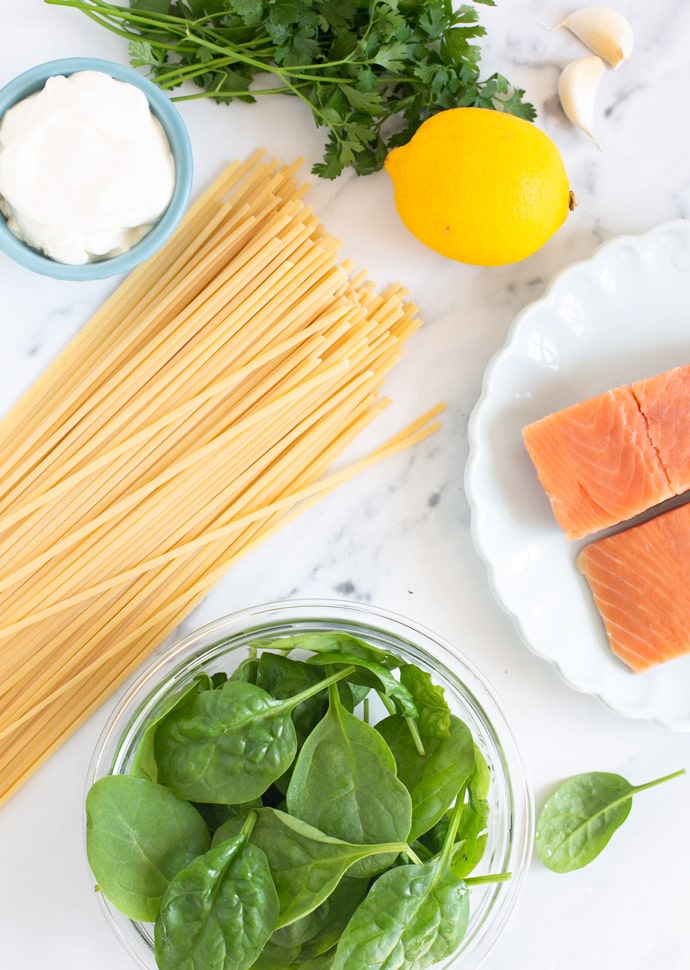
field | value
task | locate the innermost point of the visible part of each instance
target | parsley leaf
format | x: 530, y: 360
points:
x: 371, y: 72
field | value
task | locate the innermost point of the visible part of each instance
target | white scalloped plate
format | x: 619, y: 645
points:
x: 620, y: 316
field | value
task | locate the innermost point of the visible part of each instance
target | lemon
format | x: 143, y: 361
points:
x: 480, y: 186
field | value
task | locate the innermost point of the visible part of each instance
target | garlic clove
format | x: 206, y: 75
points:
x: 577, y: 91
x: 606, y: 32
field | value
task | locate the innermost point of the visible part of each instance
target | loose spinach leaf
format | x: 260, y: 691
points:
x: 228, y: 745
x: 412, y: 917
x: 138, y: 836
x: 344, y: 783
x: 219, y: 911
x: 435, y: 778
x: 578, y: 820
x: 307, y: 864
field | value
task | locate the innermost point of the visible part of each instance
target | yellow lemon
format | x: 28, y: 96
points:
x: 480, y: 186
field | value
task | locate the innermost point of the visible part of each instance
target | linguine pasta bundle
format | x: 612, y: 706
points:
x: 196, y: 413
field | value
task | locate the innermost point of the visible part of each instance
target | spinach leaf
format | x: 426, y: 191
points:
x: 307, y: 864
x: 218, y: 912
x: 578, y: 820
x: 329, y: 648
x: 144, y: 760
x: 228, y: 745
x: 373, y: 665
x: 433, y: 713
x: 274, y: 957
x: 295, y: 935
x: 319, y: 931
x: 480, y: 780
x: 373, y: 675
x: 472, y: 834
x: 218, y: 816
x: 327, y: 642
x: 246, y: 670
x: 472, y: 837
x: 434, y: 778
x: 231, y: 826
x: 473, y: 829
x: 413, y: 916
x: 138, y: 836
x: 284, y: 677
x: 344, y: 783
x: 322, y: 962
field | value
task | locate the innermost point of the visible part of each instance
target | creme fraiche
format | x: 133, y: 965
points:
x: 86, y: 169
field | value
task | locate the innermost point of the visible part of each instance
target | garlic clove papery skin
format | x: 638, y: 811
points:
x: 606, y: 32
x: 578, y: 85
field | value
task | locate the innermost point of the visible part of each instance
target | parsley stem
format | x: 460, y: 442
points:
x: 287, y: 75
x: 228, y: 95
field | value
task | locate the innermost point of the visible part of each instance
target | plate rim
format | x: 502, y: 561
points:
x: 602, y: 251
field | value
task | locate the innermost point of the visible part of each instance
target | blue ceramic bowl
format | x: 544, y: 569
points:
x: 180, y: 145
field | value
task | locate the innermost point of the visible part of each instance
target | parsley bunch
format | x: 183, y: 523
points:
x: 371, y: 71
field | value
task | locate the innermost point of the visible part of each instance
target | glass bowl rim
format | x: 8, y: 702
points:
x: 178, y: 652
x: 30, y: 81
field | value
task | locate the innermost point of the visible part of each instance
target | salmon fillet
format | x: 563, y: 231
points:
x: 640, y: 580
x: 605, y: 460
x: 596, y: 463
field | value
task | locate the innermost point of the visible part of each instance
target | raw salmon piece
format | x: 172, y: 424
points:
x: 664, y: 400
x: 640, y: 580
x: 596, y: 463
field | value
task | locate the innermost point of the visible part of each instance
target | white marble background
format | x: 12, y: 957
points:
x: 399, y: 536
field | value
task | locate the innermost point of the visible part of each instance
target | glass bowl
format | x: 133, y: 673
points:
x: 176, y: 133
x: 222, y: 644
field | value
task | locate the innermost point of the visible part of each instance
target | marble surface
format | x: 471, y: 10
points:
x: 399, y: 536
